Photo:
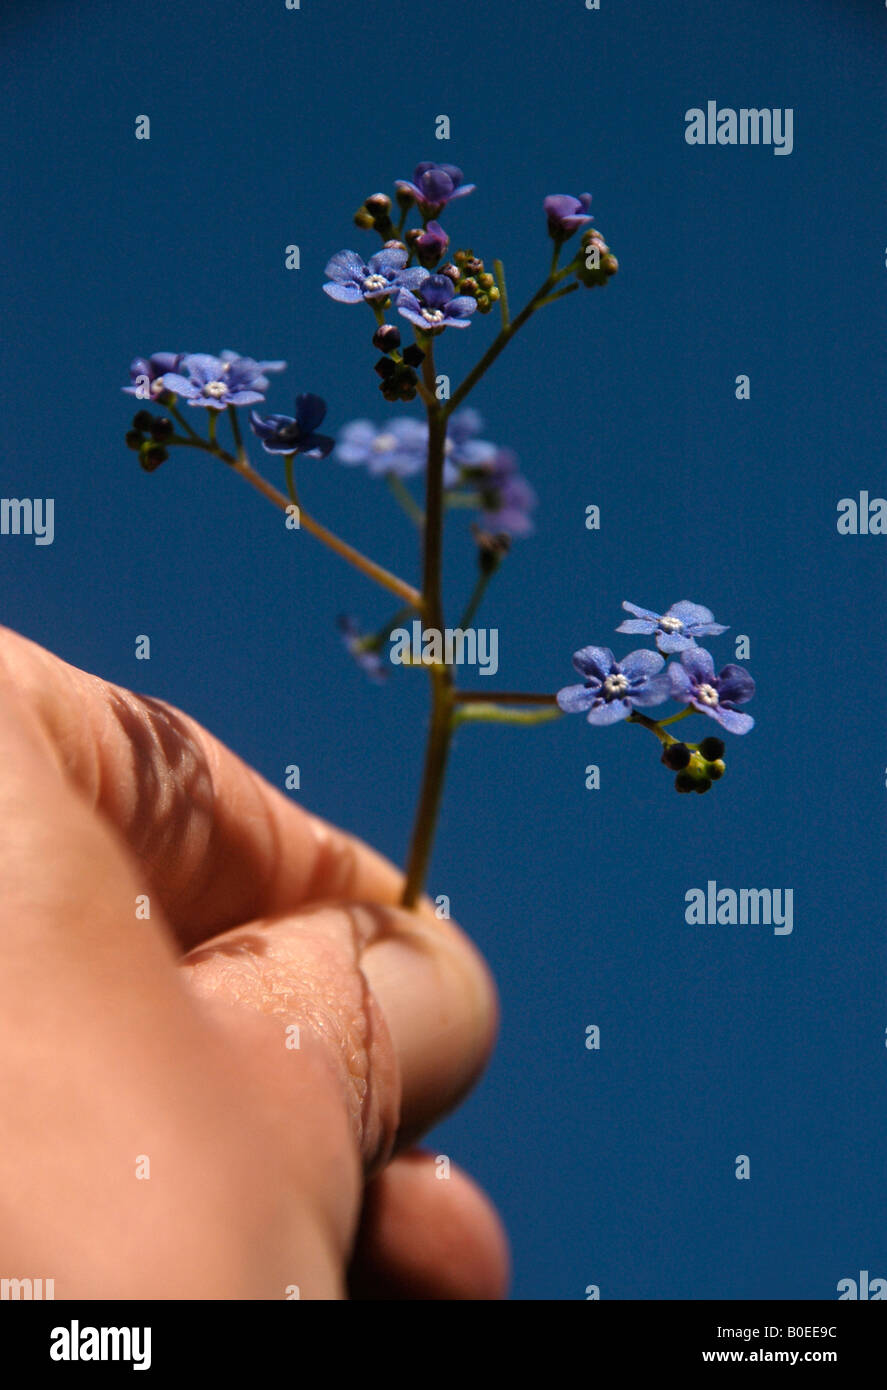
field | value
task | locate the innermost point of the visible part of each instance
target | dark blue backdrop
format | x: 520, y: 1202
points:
x: 268, y: 126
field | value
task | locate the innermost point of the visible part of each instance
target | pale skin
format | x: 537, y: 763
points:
x: 124, y: 1038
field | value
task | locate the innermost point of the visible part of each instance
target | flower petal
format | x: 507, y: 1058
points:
x: 594, y: 661
x: 698, y: 663
x: 641, y: 663
x: 576, y: 699
x: 735, y: 684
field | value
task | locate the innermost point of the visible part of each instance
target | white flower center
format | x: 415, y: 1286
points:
x: 707, y: 695
x: 384, y: 443
x: 615, y: 686
x: 670, y: 624
x: 433, y: 315
x: 157, y: 387
x: 375, y: 282
x: 216, y: 389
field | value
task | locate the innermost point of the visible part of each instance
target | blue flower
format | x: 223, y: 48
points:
x: 435, y: 185
x: 217, y: 382
x: 285, y: 434
x: 694, y: 682
x: 506, y: 497
x: 675, y: 630
x: 147, y: 376
x: 435, y: 305
x: 400, y: 447
x: 361, y: 647
x: 353, y: 280
x: 614, y: 688
x: 566, y: 214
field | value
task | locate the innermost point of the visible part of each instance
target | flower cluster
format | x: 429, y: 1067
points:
x: 615, y: 690
x: 477, y: 473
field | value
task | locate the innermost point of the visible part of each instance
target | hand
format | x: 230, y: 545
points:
x: 164, y: 1136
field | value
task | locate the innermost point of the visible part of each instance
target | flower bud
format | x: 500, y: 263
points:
x: 469, y: 286
x: 142, y: 420
x: 486, y: 280
x: 712, y: 749
x: 387, y: 337
x: 385, y: 367
x: 151, y: 456
x: 413, y: 355
x: 702, y: 785
x: 452, y: 272
x: 684, y: 782
x: 716, y: 769
x: 134, y: 439
x: 676, y: 756
x: 162, y: 429
x: 379, y: 204
x: 404, y: 198
x: 364, y: 220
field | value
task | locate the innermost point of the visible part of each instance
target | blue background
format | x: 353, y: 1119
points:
x: 268, y: 127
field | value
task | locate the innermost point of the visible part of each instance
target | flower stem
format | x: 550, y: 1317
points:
x: 347, y: 552
x: 235, y: 429
x: 502, y: 697
x: 406, y: 499
x: 494, y: 714
x: 504, y: 337
x: 477, y: 594
x: 499, y: 272
x: 440, y: 730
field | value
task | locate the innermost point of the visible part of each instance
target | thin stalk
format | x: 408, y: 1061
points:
x: 494, y: 714
x: 347, y: 552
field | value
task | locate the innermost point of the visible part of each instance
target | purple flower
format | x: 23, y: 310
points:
x: 435, y: 305
x: 675, y: 630
x: 694, y: 682
x: 360, y: 647
x: 506, y: 497
x: 431, y: 244
x: 147, y: 376
x: 435, y: 185
x: 614, y: 688
x: 217, y: 382
x: 566, y: 214
x: 285, y: 434
x: 400, y: 447
x: 353, y: 280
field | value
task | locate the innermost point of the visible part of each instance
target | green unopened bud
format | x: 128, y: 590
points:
x: 468, y: 286
x: 151, y: 456
x: 716, y: 769
x: 364, y: 220
x: 404, y: 198
x: 486, y: 280
x: 483, y: 304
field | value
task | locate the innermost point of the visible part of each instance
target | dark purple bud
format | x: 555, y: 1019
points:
x: 379, y: 204
x: 142, y: 420
x: 161, y: 428
x: 413, y: 355
x: 385, y: 368
x: 387, y: 337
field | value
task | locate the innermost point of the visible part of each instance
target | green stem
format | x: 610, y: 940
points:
x: 177, y: 415
x: 673, y: 718
x: 499, y: 272
x: 235, y: 429
x: 560, y: 294
x: 477, y: 594
x: 503, y: 338
x: 406, y: 499
x: 212, y: 426
x: 494, y: 714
